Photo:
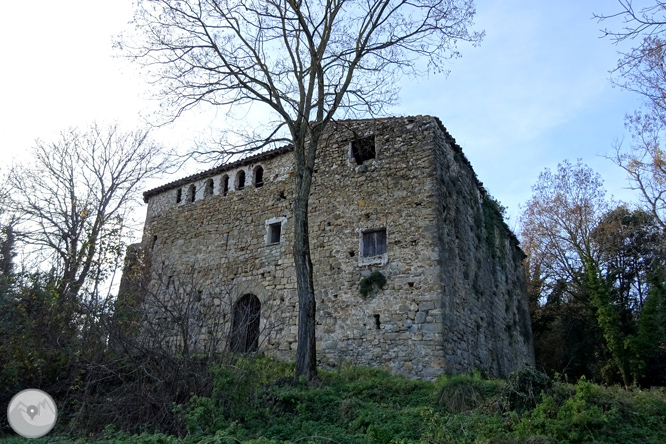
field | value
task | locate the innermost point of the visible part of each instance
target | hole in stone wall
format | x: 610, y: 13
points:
x: 208, y: 191
x: 281, y: 195
x: 240, y: 183
x: 258, y: 177
x: 152, y: 245
x: 225, y: 185
x: 363, y: 149
x: 274, y: 232
x: 352, y: 254
x: 179, y: 195
x: 411, y: 284
x: 377, y: 323
x: 192, y: 193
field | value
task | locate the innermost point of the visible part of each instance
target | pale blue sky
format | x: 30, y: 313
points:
x: 535, y: 92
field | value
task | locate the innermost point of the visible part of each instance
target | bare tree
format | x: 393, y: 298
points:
x: 645, y: 162
x: 7, y: 236
x: 557, y: 225
x: 74, y: 197
x: 306, y: 62
x: 641, y: 70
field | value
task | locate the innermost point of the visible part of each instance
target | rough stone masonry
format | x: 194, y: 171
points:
x: 393, y: 199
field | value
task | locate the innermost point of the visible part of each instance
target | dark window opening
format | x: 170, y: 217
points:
x: 241, y: 180
x: 152, y: 245
x: 374, y: 243
x: 208, y: 191
x: 245, y: 325
x: 192, y: 193
x: 274, y: 232
x: 258, y: 177
x: 377, y: 323
x: 179, y: 195
x: 363, y: 149
x: 225, y: 185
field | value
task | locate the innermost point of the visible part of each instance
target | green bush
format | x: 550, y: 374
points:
x: 462, y: 393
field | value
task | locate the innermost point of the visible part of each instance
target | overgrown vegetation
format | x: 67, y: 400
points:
x: 494, y: 225
x: 595, y: 275
x: 374, y: 282
x: 256, y: 400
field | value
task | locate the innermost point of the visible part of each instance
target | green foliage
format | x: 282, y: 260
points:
x: 609, y: 321
x: 357, y: 405
x: 651, y: 334
x: 599, y: 414
x: 494, y: 225
x: 462, y: 393
x: 368, y: 284
x: 524, y: 389
x: 36, y: 336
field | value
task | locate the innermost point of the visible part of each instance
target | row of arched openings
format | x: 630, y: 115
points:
x: 239, y: 184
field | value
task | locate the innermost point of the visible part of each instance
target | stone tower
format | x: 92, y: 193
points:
x: 393, y: 199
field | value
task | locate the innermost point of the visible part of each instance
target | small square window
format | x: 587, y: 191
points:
x: 363, y: 149
x: 374, y: 243
x: 274, y: 232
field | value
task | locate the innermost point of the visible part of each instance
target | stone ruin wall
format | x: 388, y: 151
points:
x: 484, y: 294
x: 440, y: 309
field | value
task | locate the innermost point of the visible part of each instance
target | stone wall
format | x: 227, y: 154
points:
x: 455, y: 297
x: 485, y: 309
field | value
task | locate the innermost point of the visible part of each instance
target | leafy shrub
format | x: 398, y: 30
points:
x: 369, y: 283
x: 462, y: 393
x: 523, y: 389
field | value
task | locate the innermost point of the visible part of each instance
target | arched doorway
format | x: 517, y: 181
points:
x: 245, y: 324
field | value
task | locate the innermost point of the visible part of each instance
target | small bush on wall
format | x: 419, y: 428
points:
x: 368, y: 284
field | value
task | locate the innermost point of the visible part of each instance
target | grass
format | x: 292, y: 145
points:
x: 258, y: 404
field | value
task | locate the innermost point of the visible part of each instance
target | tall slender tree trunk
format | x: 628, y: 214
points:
x: 306, y: 351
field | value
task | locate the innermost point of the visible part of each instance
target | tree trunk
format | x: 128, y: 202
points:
x: 306, y: 352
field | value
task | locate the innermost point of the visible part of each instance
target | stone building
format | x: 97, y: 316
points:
x: 393, y: 199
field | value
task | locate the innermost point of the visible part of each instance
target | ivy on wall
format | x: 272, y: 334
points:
x: 493, y: 222
x: 376, y: 280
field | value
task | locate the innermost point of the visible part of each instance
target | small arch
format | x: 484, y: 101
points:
x: 225, y: 185
x: 240, y: 180
x: 259, y: 176
x: 245, y: 324
x: 208, y: 190
x: 192, y: 193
